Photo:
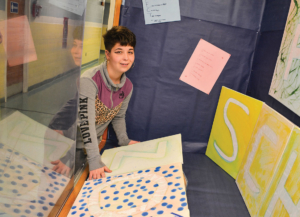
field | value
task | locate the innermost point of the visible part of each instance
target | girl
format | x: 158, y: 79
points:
x: 104, y: 96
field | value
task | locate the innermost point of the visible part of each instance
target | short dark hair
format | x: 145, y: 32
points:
x: 118, y: 34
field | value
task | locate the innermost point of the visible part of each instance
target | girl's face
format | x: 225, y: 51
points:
x: 76, y: 51
x: 120, y: 58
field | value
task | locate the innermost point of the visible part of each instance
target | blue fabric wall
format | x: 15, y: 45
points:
x: 161, y: 104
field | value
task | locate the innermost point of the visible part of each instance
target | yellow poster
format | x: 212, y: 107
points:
x: 234, y: 122
x: 262, y: 157
x: 282, y: 198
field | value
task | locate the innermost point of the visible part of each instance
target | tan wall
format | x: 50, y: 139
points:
x: 2, y: 71
x: 2, y: 58
x: 102, y: 41
x: 52, y: 58
x: 91, y: 43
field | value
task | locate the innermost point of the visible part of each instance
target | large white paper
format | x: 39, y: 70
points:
x: 144, y: 155
x: 157, y: 191
x: 286, y: 77
x: 161, y: 11
x: 74, y: 6
x: 29, y: 137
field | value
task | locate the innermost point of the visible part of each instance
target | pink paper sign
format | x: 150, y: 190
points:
x: 205, y: 66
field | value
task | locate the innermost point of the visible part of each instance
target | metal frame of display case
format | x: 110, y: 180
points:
x: 63, y: 207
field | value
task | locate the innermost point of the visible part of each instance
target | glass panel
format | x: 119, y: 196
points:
x: 93, y: 29
x: 41, y: 52
x: 105, y: 26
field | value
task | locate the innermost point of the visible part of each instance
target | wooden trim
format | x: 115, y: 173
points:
x: 111, y: 14
x: 69, y: 203
x: 60, y: 202
x: 4, y: 34
x: 184, y: 180
x: 25, y: 65
x: 103, y: 141
x: 117, y: 12
x: 66, y: 209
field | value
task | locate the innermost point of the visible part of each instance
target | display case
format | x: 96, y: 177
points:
x: 43, y: 45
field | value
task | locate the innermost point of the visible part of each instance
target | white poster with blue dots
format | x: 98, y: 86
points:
x: 29, y: 137
x: 159, y: 191
x: 27, y: 188
x: 125, y: 159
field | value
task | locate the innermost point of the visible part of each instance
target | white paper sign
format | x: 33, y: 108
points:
x: 161, y: 11
x: 74, y: 6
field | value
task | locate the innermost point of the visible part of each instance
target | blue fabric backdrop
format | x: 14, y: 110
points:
x: 161, y: 104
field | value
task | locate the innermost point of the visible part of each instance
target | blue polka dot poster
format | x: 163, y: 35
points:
x: 27, y: 188
x: 159, y: 191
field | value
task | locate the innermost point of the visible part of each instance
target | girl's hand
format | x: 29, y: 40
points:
x: 99, y: 173
x: 61, y: 168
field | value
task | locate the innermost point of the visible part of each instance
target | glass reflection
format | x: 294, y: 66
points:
x: 27, y: 184
x: 19, y: 45
x: 64, y: 121
x: 41, y: 45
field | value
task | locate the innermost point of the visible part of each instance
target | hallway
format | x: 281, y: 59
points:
x: 42, y: 103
